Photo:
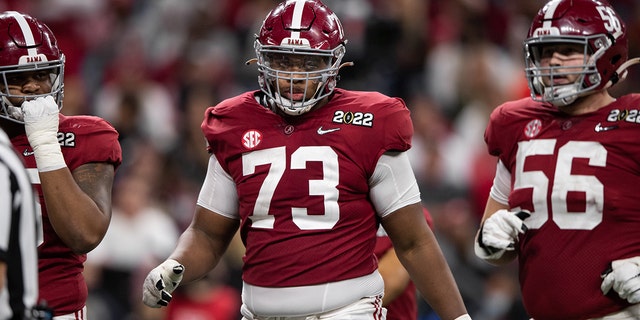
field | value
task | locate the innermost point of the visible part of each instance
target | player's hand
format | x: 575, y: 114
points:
x: 160, y: 283
x: 624, y: 278
x: 499, y: 233
x: 41, y: 126
x: 41, y: 312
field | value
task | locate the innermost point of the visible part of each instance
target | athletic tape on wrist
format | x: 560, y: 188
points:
x: 49, y: 157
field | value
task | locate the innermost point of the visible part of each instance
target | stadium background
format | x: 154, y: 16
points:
x: 151, y: 67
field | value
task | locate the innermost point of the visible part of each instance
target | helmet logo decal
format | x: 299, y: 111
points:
x: 532, y: 128
x: 547, y: 28
x: 296, y: 42
x: 553, y: 31
x: 32, y: 59
x: 251, y: 139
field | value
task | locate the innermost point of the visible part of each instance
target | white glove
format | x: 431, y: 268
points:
x: 624, y: 278
x: 499, y: 233
x: 41, y: 125
x: 160, y: 283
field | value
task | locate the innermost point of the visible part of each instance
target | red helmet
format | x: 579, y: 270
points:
x: 305, y: 31
x: 590, y: 23
x: 27, y: 45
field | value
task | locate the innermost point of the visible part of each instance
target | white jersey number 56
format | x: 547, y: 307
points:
x: 564, y: 182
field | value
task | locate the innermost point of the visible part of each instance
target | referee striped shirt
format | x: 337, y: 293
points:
x: 20, y: 235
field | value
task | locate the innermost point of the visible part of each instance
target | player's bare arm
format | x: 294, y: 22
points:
x: 79, y: 204
x: 199, y: 250
x: 396, y: 278
x: 203, y: 243
x: 419, y: 252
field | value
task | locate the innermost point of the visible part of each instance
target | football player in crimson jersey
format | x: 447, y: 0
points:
x: 307, y: 171
x: 72, y: 159
x: 399, y: 291
x: 564, y: 198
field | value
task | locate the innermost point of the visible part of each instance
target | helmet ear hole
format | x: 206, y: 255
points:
x: 615, y: 59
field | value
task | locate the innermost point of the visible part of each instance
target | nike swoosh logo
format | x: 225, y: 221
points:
x: 600, y: 128
x: 323, y: 131
x: 27, y: 153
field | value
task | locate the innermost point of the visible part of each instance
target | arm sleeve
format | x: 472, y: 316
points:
x: 501, y: 187
x: 5, y: 210
x: 393, y: 184
x: 218, y: 192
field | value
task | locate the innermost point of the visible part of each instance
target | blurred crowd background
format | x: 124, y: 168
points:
x: 151, y: 67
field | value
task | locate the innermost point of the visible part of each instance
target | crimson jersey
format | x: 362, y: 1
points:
x: 302, y: 182
x: 83, y: 139
x: 578, y: 175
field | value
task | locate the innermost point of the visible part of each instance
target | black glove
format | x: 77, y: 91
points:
x: 42, y: 312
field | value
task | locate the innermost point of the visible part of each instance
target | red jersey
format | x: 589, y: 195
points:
x: 578, y: 176
x: 302, y: 182
x: 83, y: 139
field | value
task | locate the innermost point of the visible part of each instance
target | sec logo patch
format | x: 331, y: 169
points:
x: 251, y: 139
x: 533, y: 128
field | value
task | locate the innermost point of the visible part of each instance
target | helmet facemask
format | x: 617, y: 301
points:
x: 12, y: 110
x: 542, y: 79
x: 288, y: 74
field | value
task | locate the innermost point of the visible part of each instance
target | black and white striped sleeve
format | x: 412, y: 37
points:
x: 20, y: 233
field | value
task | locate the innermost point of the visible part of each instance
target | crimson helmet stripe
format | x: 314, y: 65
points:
x: 553, y: 5
x: 26, y: 31
x: 296, y: 19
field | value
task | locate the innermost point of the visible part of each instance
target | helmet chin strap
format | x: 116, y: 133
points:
x: 564, y: 102
x: 622, y: 71
x: 562, y: 95
x: 346, y: 64
x: 14, y: 112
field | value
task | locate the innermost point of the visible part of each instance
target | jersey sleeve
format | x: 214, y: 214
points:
x: 398, y: 128
x: 5, y: 203
x: 90, y: 139
x: 392, y: 129
x: 494, y: 127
